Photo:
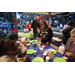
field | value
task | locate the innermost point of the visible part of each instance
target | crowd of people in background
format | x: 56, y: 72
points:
x: 12, y: 50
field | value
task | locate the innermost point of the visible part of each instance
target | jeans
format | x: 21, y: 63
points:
x: 35, y: 35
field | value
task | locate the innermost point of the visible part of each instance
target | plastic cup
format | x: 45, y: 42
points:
x: 60, y: 49
x: 33, y: 44
x: 41, y: 49
x: 34, y: 52
x: 47, y: 58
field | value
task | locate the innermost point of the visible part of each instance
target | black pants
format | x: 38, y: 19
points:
x: 35, y: 35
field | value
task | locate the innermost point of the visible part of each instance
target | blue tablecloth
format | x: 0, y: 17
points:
x: 40, y: 54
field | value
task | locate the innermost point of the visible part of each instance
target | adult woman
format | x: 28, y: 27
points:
x: 70, y: 46
x: 45, y: 33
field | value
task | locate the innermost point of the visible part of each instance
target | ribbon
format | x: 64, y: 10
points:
x: 49, y: 24
x: 40, y: 18
x: 49, y: 15
x: 14, y: 20
x: 43, y: 17
x: 14, y: 29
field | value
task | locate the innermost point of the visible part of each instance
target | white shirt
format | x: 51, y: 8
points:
x: 65, y: 26
x: 24, y: 30
x: 4, y: 31
x: 6, y: 58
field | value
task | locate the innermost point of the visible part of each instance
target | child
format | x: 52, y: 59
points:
x: 45, y: 33
x: 21, y: 55
x: 25, y: 30
x: 8, y: 50
x: 4, y: 31
x: 14, y: 37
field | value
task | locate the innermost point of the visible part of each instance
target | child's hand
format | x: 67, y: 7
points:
x: 26, y: 59
x: 26, y: 42
x: 47, y: 43
x: 38, y: 30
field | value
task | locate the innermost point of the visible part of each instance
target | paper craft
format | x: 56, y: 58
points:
x: 14, y: 29
x: 40, y: 18
x: 43, y: 17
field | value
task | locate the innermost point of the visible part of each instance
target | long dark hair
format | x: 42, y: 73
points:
x: 6, y: 46
x: 44, y: 22
x: 13, y: 36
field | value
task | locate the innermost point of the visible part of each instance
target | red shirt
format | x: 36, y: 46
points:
x: 28, y: 25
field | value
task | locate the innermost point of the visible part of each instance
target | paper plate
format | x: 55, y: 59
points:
x: 52, y: 50
x: 37, y: 42
x: 30, y: 41
x: 28, y: 44
x: 30, y: 51
x: 37, y: 59
x: 59, y: 59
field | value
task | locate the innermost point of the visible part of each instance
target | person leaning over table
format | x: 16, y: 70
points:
x: 10, y: 48
x: 70, y: 46
x: 15, y: 38
x: 46, y: 33
x: 8, y: 51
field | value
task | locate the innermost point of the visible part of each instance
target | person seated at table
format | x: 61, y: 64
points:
x: 45, y: 33
x: 21, y: 54
x: 70, y: 46
x: 8, y: 51
x: 15, y: 38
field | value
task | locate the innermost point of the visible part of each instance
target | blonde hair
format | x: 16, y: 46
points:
x: 72, y: 31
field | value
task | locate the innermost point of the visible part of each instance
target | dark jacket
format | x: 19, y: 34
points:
x: 68, y: 44
x: 34, y: 25
x: 48, y: 35
x: 66, y: 34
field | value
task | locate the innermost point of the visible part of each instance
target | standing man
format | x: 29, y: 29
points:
x: 34, y: 25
